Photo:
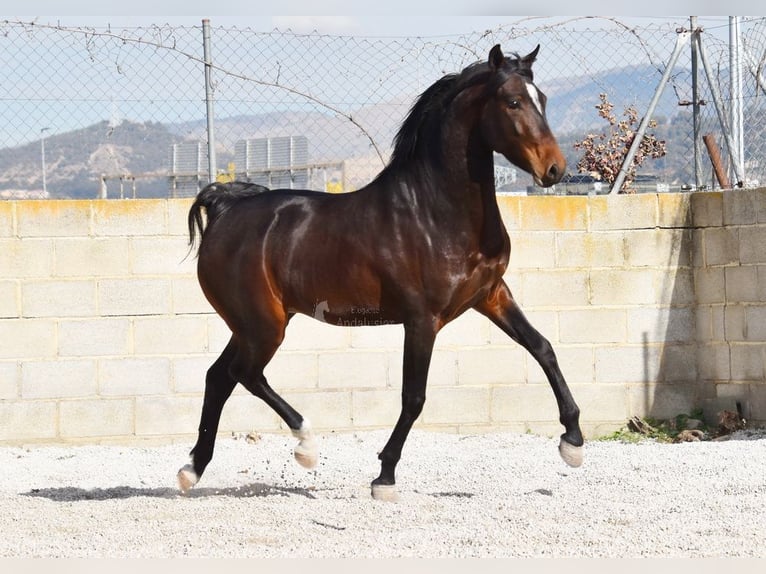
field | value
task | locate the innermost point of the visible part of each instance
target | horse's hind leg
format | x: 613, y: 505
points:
x: 248, y: 366
x: 503, y: 310
x: 218, y: 387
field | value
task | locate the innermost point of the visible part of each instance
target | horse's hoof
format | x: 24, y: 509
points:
x: 385, y: 492
x: 187, y: 478
x: 571, y: 454
x: 306, y: 453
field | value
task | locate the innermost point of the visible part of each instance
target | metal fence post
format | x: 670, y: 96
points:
x: 212, y: 169
x: 683, y: 37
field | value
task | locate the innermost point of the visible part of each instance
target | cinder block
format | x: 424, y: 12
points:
x: 675, y: 287
x: 600, y: 403
x: 91, y: 257
x: 761, y: 282
x: 710, y: 285
x: 741, y: 284
x: 661, y: 324
x: 189, y: 372
x: 590, y: 249
x: 663, y: 401
x: 592, y: 326
x: 178, y: 214
x: 376, y: 408
x: 170, y: 335
x: 755, y: 323
x: 167, y: 416
x: 53, y: 218
x: 748, y: 362
x: 739, y: 207
x: 7, y: 226
x: 576, y: 364
x: 623, y: 287
x: 510, y: 211
x: 470, y: 329
x: 523, y: 403
x: 445, y: 405
x: 9, y: 300
x: 675, y: 210
x: 133, y: 296
x: 554, y: 289
x: 721, y: 245
x: 658, y: 247
x: 353, y: 369
x: 161, y: 256
x: 245, y: 413
x: 557, y: 213
x: 627, y: 364
x: 218, y: 334
x: 93, y: 418
x: 26, y: 258
x: 698, y: 248
x: 752, y: 242
x: 533, y: 250
x: 128, y: 376
x: 707, y: 208
x: 734, y: 323
x: 490, y: 365
x: 757, y: 404
x: 304, y: 333
x: 27, y: 339
x: 57, y: 379
x: 295, y: 370
x: 678, y: 363
x: 74, y: 298
x: 713, y: 362
x: 93, y: 337
x: 187, y: 297
x: 377, y: 337
x: 327, y: 410
x: 759, y: 197
x: 27, y: 420
x: 9, y: 380
x: 635, y: 211
x: 129, y: 217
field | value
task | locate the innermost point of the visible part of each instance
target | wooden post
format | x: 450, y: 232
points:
x: 715, y: 158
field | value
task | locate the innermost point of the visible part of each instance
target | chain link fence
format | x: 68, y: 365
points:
x: 122, y: 113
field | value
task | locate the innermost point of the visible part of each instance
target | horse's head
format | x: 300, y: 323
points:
x: 513, y: 121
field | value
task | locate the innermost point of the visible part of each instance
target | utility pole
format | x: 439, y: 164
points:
x: 42, y: 157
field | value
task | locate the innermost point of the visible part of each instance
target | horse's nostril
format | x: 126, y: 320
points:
x: 553, y: 171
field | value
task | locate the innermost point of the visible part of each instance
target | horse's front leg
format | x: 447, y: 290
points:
x: 419, y: 340
x: 503, y: 310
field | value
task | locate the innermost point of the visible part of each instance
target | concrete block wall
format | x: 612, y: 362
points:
x: 105, y: 335
x: 730, y: 278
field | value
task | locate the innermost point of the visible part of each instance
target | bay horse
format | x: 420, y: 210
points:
x: 418, y: 246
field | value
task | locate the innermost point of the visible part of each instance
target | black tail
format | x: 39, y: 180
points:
x: 217, y: 198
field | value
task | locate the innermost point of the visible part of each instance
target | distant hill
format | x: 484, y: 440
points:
x: 76, y: 160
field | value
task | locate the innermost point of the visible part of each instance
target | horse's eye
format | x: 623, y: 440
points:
x: 514, y: 104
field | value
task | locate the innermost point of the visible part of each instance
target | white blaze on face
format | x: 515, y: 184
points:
x: 535, y: 96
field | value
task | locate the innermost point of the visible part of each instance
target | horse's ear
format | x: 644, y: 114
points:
x: 496, y: 58
x: 529, y: 59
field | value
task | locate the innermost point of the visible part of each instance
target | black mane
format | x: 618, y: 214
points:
x: 420, y: 130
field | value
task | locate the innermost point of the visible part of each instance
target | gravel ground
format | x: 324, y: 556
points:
x: 493, y: 495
